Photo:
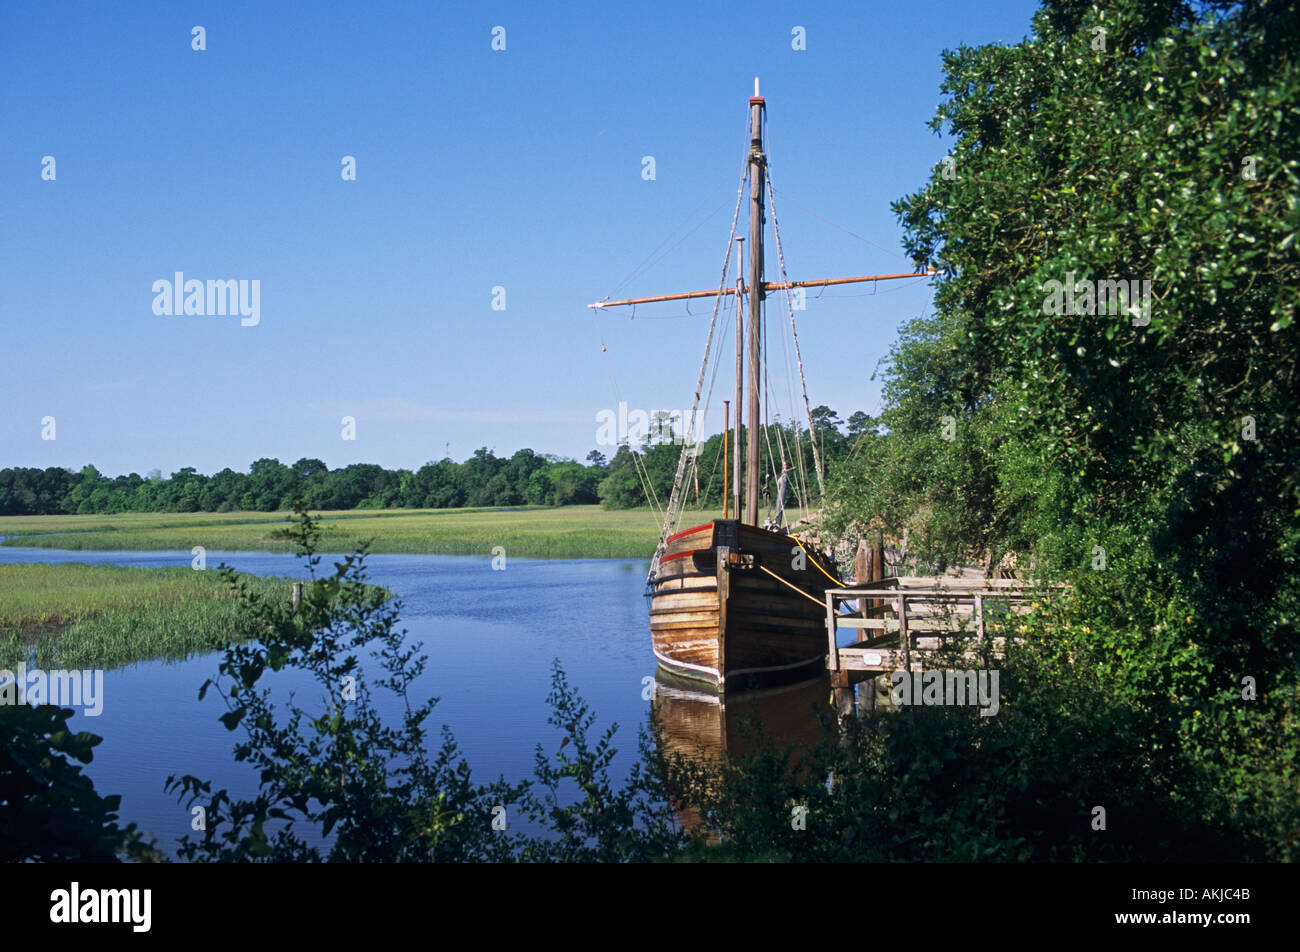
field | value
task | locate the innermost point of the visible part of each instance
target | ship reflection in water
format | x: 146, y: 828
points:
x: 708, y: 729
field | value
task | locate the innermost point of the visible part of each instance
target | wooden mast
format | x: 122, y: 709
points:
x: 756, y: 183
x: 757, y: 290
x: 726, y: 435
x: 740, y: 378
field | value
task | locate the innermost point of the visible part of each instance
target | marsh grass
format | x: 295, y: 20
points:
x: 105, y: 616
x: 566, y: 532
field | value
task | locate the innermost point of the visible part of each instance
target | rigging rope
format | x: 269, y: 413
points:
x: 780, y: 254
x: 800, y: 474
x: 652, y: 496
x: 767, y: 417
x: 688, y: 448
x: 642, y: 475
x: 713, y: 379
x: 647, y: 263
x: 801, y: 468
x: 842, y: 228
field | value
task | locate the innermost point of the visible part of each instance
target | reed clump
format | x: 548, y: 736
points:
x: 72, y: 615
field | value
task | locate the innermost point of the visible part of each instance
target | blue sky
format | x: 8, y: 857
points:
x: 475, y: 169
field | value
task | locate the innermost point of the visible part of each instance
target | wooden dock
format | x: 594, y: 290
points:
x: 904, y: 621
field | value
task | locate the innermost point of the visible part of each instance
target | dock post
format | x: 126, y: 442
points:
x: 862, y: 575
x: 876, y: 565
x: 904, y: 638
x: 842, y: 693
x: 833, y: 649
x: 867, y: 695
x: 295, y: 594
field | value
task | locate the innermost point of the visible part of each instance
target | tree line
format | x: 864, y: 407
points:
x: 526, y: 478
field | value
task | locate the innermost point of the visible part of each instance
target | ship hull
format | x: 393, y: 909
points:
x: 720, y: 621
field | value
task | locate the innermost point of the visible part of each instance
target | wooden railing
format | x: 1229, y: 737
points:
x: 944, y: 606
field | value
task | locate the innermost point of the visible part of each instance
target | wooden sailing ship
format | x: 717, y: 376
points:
x: 735, y: 604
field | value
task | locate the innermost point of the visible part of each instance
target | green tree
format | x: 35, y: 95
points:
x: 570, y: 483
x: 1134, y: 447
x: 269, y: 481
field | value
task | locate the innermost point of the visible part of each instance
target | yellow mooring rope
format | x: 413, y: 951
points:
x: 837, y: 582
x: 793, y: 586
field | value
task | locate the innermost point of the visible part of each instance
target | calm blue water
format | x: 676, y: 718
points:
x: 490, y: 636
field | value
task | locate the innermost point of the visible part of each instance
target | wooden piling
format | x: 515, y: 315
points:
x: 876, y: 571
x: 904, y: 639
x: 862, y: 575
x: 867, y: 696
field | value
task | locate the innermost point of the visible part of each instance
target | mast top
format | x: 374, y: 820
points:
x: 756, y: 99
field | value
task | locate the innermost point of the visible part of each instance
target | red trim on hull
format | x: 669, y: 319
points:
x: 679, y: 555
x: 686, y: 532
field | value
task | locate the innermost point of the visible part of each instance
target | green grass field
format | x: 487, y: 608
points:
x: 104, y: 616
x: 567, y: 532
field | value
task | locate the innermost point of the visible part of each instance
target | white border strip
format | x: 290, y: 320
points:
x: 673, y: 663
